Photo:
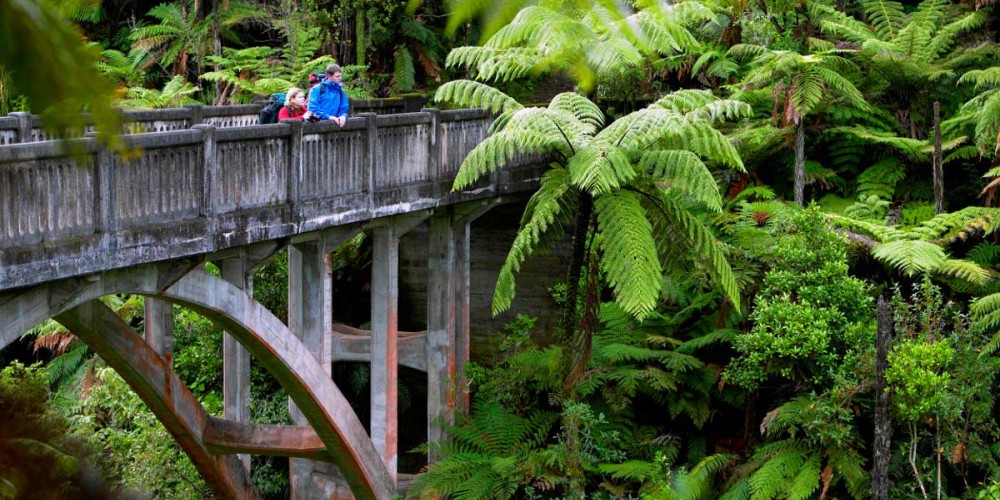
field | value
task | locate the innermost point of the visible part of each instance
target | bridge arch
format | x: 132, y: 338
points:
x: 74, y: 303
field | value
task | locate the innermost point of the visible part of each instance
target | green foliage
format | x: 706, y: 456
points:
x: 918, y: 373
x: 39, y: 455
x: 493, y: 454
x: 810, y: 314
x: 38, y: 48
x: 137, y: 447
x: 176, y: 93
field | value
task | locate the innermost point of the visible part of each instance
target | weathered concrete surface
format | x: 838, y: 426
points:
x: 204, y: 190
x: 441, y: 272
x: 154, y: 381
x: 355, y: 344
x: 228, y: 437
x: 265, y: 337
x: 384, y: 345
x: 236, y: 359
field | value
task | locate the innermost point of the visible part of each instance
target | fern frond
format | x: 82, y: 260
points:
x: 600, y: 168
x: 910, y: 256
x: 548, y: 205
x: 477, y: 95
x: 684, y: 172
x: 630, y: 262
x: 964, y: 270
x: 579, y: 106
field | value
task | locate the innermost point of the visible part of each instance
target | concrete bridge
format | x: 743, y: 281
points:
x: 78, y: 223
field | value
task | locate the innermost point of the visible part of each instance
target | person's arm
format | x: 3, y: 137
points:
x: 344, y: 105
x: 314, y: 103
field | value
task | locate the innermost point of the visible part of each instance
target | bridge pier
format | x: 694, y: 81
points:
x: 235, y: 358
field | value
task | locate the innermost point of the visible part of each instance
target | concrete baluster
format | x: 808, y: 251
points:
x: 197, y: 116
x: 296, y: 168
x: 434, y: 150
x: 23, y: 126
x: 371, y: 157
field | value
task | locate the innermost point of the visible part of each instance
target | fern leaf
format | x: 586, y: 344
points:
x: 911, y: 257
x: 477, y: 95
x: 630, y: 262
x: 548, y: 203
x: 684, y: 172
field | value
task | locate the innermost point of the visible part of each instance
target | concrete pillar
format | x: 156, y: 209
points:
x: 461, y: 277
x: 385, y: 339
x: 309, y: 317
x: 158, y: 327
x: 235, y: 358
x: 309, y: 306
x: 440, y: 328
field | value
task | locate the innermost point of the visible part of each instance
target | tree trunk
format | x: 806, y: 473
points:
x: 576, y: 340
x: 216, y: 43
x: 938, y: 162
x: 800, y: 162
x: 359, y: 35
x: 882, y: 449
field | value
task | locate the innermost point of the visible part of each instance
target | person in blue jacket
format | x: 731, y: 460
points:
x: 328, y: 101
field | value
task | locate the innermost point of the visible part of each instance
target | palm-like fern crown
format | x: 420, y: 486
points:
x: 906, y: 49
x: 799, y: 82
x: 646, y: 172
x: 589, y: 43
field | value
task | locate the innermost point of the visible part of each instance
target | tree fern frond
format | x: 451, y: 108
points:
x: 580, y: 107
x: 705, y: 247
x: 478, y: 95
x: 910, y: 256
x: 630, y: 262
x: 964, y: 270
x: 600, y: 168
x: 548, y: 203
x: 684, y: 172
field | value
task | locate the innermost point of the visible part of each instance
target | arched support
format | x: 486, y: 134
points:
x: 267, y: 338
x: 154, y: 380
x: 295, y: 368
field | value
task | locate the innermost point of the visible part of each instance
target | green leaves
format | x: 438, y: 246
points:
x: 910, y: 256
x: 630, y: 262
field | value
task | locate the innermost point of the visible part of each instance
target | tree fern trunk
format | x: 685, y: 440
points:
x: 800, y: 162
x: 585, y: 206
x: 577, y: 336
x: 938, y: 162
x: 882, y: 449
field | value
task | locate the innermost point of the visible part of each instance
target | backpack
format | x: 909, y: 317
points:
x: 269, y: 113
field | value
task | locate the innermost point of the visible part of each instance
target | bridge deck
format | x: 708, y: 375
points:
x: 206, y: 189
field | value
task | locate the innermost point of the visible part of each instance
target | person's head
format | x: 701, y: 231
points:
x: 295, y: 98
x: 334, y: 73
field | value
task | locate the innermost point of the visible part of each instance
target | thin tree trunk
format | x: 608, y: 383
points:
x: 216, y: 43
x: 359, y: 35
x: 937, y: 434
x: 913, y: 459
x: 800, y: 162
x: 575, y: 339
x: 938, y: 162
x: 882, y: 449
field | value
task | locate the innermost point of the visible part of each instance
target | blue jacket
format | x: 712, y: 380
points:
x: 328, y: 99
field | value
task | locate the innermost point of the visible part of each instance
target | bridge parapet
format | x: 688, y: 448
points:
x: 21, y: 128
x: 202, y: 190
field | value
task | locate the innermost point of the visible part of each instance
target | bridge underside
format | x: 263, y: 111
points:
x: 298, y: 355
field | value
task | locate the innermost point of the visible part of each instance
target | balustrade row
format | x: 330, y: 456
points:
x: 209, y: 188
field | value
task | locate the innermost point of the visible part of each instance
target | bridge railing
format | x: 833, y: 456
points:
x: 21, y: 128
x: 66, y: 211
